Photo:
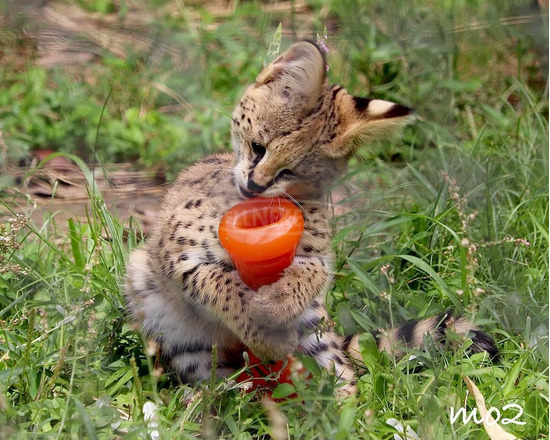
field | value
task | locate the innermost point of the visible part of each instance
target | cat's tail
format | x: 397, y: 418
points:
x: 412, y: 334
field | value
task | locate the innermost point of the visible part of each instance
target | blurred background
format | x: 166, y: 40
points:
x: 163, y: 76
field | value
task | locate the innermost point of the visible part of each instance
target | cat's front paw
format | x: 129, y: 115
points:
x: 271, y: 306
x: 279, y: 303
x: 275, y: 343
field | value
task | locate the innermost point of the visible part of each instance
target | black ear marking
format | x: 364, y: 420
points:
x: 397, y: 111
x: 361, y: 103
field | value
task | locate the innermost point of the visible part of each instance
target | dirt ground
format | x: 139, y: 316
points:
x: 51, y: 194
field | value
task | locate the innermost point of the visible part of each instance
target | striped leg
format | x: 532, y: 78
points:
x: 194, y: 364
x: 327, y: 348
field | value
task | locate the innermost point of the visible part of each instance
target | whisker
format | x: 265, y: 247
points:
x: 297, y: 203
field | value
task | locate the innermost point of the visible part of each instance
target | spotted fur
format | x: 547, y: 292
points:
x: 292, y: 134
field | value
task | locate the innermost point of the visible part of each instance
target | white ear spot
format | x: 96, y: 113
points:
x: 378, y: 107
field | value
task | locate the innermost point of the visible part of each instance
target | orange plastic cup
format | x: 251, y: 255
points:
x: 261, y: 236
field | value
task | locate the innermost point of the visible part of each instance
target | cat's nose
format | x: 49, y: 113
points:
x: 254, y: 187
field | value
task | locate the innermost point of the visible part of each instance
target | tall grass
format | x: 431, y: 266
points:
x: 452, y: 216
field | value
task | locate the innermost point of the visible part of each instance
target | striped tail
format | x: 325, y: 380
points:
x: 412, y: 334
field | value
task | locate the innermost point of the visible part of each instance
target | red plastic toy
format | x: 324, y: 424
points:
x: 261, y: 236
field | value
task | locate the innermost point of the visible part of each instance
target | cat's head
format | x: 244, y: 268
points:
x: 293, y: 133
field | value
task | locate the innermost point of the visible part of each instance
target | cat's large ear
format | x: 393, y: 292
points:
x: 298, y: 74
x: 364, y: 119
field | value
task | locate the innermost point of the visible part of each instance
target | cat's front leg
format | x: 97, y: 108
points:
x: 282, y: 302
x: 219, y: 291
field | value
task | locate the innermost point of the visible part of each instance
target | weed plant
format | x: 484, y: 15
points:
x: 452, y: 216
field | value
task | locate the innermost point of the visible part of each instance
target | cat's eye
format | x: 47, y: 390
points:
x: 285, y: 174
x: 258, y: 149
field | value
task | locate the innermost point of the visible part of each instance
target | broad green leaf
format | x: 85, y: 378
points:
x: 75, y: 244
x: 88, y: 424
x: 311, y: 365
x: 347, y: 419
x: 364, y: 277
x: 512, y: 376
x: 283, y: 390
x: 423, y: 266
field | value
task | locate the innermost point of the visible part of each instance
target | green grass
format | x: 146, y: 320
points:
x: 453, y: 215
